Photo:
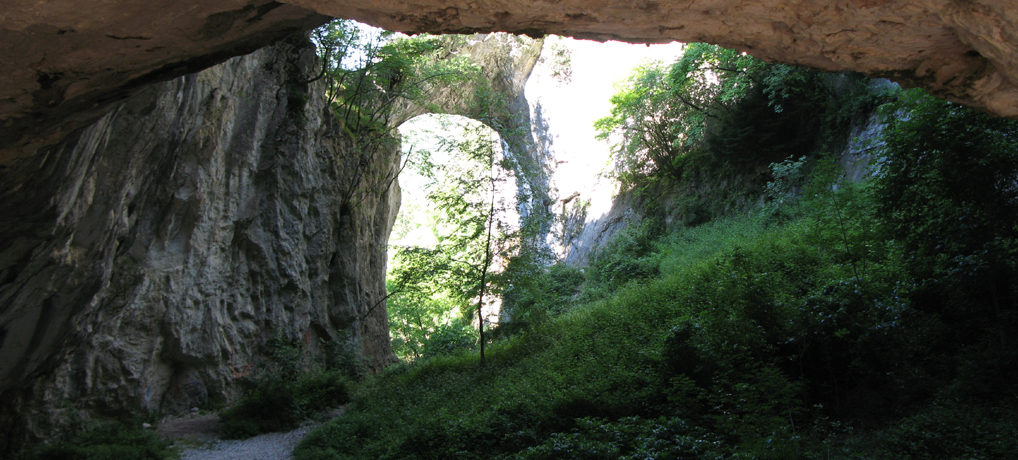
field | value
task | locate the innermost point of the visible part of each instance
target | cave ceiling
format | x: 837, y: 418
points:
x: 64, y: 62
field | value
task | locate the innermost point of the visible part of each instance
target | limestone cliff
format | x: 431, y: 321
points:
x: 498, y: 99
x: 146, y: 259
x: 861, y: 142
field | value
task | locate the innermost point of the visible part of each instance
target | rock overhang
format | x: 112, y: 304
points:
x: 64, y: 62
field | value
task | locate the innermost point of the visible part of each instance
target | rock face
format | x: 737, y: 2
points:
x: 64, y: 61
x: 964, y: 51
x: 506, y: 63
x: 146, y: 259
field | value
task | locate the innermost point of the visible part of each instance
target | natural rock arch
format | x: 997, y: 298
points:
x: 162, y: 245
x: 66, y: 61
x: 497, y: 100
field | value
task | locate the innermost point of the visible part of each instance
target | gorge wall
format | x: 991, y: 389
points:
x: 146, y: 259
x: 155, y: 234
x: 163, y: 246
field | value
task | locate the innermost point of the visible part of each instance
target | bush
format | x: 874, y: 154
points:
x: 946, y: 193
x: 106, y: 441
x: 953, y: 431
x: 539, y: 298
x: 627, y: 257
x: 267, y: 406
x: 280, y: 397
x: 457, y: 336
x: 629, y: 438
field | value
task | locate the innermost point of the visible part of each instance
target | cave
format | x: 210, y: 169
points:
x: 65, y: 62
x: 74, y: 71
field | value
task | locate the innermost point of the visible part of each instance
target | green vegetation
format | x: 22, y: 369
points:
x: 372, y: 74
x: 868, y: 320
x: 373, y: 79
x: 478, y: 247
x: 708, y: 125
x: 286, y: 390
x: 787, y: 313
x: 105, y: 441
x: 435, y: 292
x: 702, y: 86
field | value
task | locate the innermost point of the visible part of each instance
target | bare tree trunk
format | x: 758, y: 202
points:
x: 487, y: 262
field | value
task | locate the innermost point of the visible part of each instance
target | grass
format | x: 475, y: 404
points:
x: 105, y: 441
x: 601, y: 361
x: 750, y: 341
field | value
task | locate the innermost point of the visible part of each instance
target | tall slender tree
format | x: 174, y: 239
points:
x: 473, y: 223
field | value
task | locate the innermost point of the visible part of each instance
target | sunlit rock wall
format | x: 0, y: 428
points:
x: 570, y: 88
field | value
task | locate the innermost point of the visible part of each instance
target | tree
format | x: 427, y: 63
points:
x: 729, y: 109
x: 372, y: 75
x: 473, y: 225
x: 946, y: 192
x: 663, y: 112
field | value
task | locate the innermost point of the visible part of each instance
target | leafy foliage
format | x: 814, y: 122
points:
x: 662, y: 113
x: 285, y: 391
x: 538, y: 296
x: 371, y: 73
x: 373, y: 77
x: 628, y: 256
x: 475, y: 237
x: 558, y: 57
x: 424, y: 323
x: 954, y: 431
x: 712, y: 120
x: 105, y: 441
x: 853, y: 327
x: 947, y: 196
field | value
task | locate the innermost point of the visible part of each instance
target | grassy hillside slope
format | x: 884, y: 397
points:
x: 871, y: 320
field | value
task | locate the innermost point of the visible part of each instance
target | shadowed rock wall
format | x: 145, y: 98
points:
x: 64, y: 63
x: 145, y: 260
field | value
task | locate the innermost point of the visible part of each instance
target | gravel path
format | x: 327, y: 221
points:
x: 271, y: 446
x: 200, y: 433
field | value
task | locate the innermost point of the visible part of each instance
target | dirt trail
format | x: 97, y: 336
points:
x: 200, y: 435
x: 270, y: 446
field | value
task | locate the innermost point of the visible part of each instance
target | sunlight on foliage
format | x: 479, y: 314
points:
x: 840, y: 320
x: 473, y: 222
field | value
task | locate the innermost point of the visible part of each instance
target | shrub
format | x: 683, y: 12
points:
x: 629, y: 438
x: 284, y: 393
x: 627, y: 257
x: 946, y: 192
x: 105, y: 441
x: 549, y: 293
x: 955, y: 430
x: 278, y: 404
